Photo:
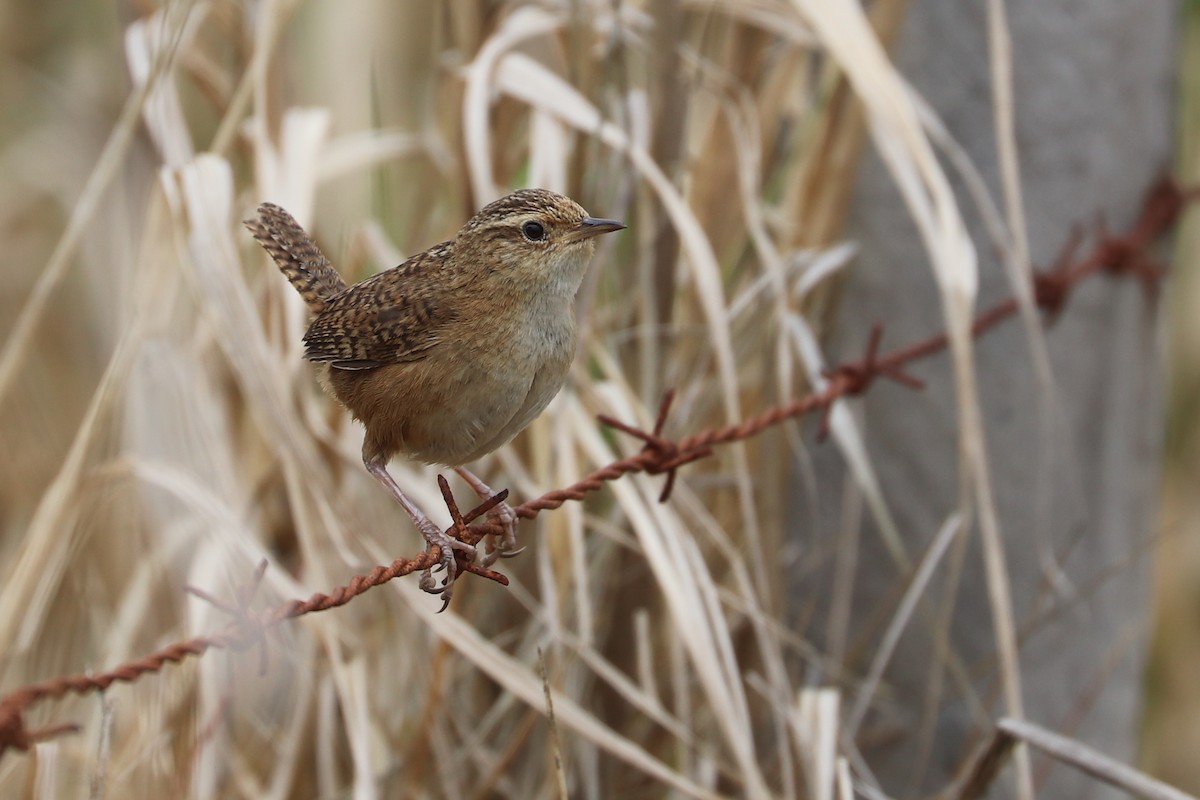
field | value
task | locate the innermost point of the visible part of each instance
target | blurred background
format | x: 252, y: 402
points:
x: 791, y: 173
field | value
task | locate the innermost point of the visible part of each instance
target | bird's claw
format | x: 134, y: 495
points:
x: 503, y: 545
x: 446, y: 590
x: 427, y: 582
x: 447, y: 563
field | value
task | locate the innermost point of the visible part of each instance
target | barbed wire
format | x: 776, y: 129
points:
x: 1125, y: 255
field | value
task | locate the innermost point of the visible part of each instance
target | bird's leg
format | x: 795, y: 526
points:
x: 507, y: 547
x: 377, y: 466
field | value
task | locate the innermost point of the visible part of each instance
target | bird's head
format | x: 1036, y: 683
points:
x: 535, y: 238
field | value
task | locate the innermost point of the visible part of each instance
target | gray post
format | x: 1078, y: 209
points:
x: 1075, y: 475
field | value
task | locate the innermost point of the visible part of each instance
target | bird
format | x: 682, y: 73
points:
x: 449, y: 355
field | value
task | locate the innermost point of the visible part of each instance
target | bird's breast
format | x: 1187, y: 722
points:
x: 471, y: 394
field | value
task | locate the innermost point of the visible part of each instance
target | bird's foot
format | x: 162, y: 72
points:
x: 502, y: 545
x: 447, y: 563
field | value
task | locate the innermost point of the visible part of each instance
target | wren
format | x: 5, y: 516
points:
x: 451, y: 354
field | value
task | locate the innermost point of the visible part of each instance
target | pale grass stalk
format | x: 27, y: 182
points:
x: 548, y: 152
x: 688, y: 589
x: 562, y: 574
x: 1018, y: 261
x: 845, y: 782
x: 634, y: 115
x: 644, y: 649
x: 524, y: 24
x: 320, y: 522
x: 788, y: 641
x: 567, y: 467
x: 845, y: 567
x: 769, y: 16
x: 208, y: 688
x: 742, y: 120
x: 1091, y: 761
x: 742, y: 597
x: 475, y: 742
x: 1001, y: 600
x: 866, y: 784
x: 380, y: 248
x: 327, y: 738
x: 518, y: 679
x: 640, y: 698
x: 364, y: 150
x: 1050, y: 436
x: 850, y: 442
x: 290, y: 743
x: 169, y: 375
x: 681, y: 701
x: 135, y: 605
x: 904, y: 611
x: 618, y: 398
x: 47, y: 755
x: 824, y: 263
x: 944, y: 660
x: 20, y: 339
x: 287, y: 175
x: 319, y: 529
x: 849, y: 439
x: 803, y: 271
x: 357, y: 727
x: 897, y: 134
x: 251, y: 84
x: 815, y: 722
x: 205, y: 189
x: 550, y: 589
x: 350, y: 679
x: 213, y: 516
x: 98, y: 781
x: 556, y: 766
x: 767, y: 638
x: 976, y: 187
x: 205, y: 197
x: 1016, y: 257
x: 162, y: 113
x: 201, y: 197
x: 53, y: 533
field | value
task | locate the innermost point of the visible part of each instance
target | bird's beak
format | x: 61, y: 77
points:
x: 591, y: 226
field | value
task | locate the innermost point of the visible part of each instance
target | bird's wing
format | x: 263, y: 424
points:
x: 394, y: 317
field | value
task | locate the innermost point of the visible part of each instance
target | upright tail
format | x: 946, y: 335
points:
x: 297, y: 255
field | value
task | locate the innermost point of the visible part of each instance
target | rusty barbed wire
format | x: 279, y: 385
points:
x: 1119, y: 255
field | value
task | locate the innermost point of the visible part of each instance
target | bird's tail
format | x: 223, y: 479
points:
x: 297, y: 255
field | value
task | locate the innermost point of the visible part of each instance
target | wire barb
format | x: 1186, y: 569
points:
x: 253, y: 627
x: 1052, y: 286
x: 459, y: 530
x: 855, y: 377
x: 14, y: 734
x: 659, y: 455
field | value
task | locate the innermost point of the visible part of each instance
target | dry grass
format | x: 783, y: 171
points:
x: 1172, y: 737
x: 161, y: 428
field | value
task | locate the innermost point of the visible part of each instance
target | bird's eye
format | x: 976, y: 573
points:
x: 534, y: 231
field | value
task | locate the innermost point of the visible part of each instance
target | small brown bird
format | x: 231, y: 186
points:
x: 451, y: 354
